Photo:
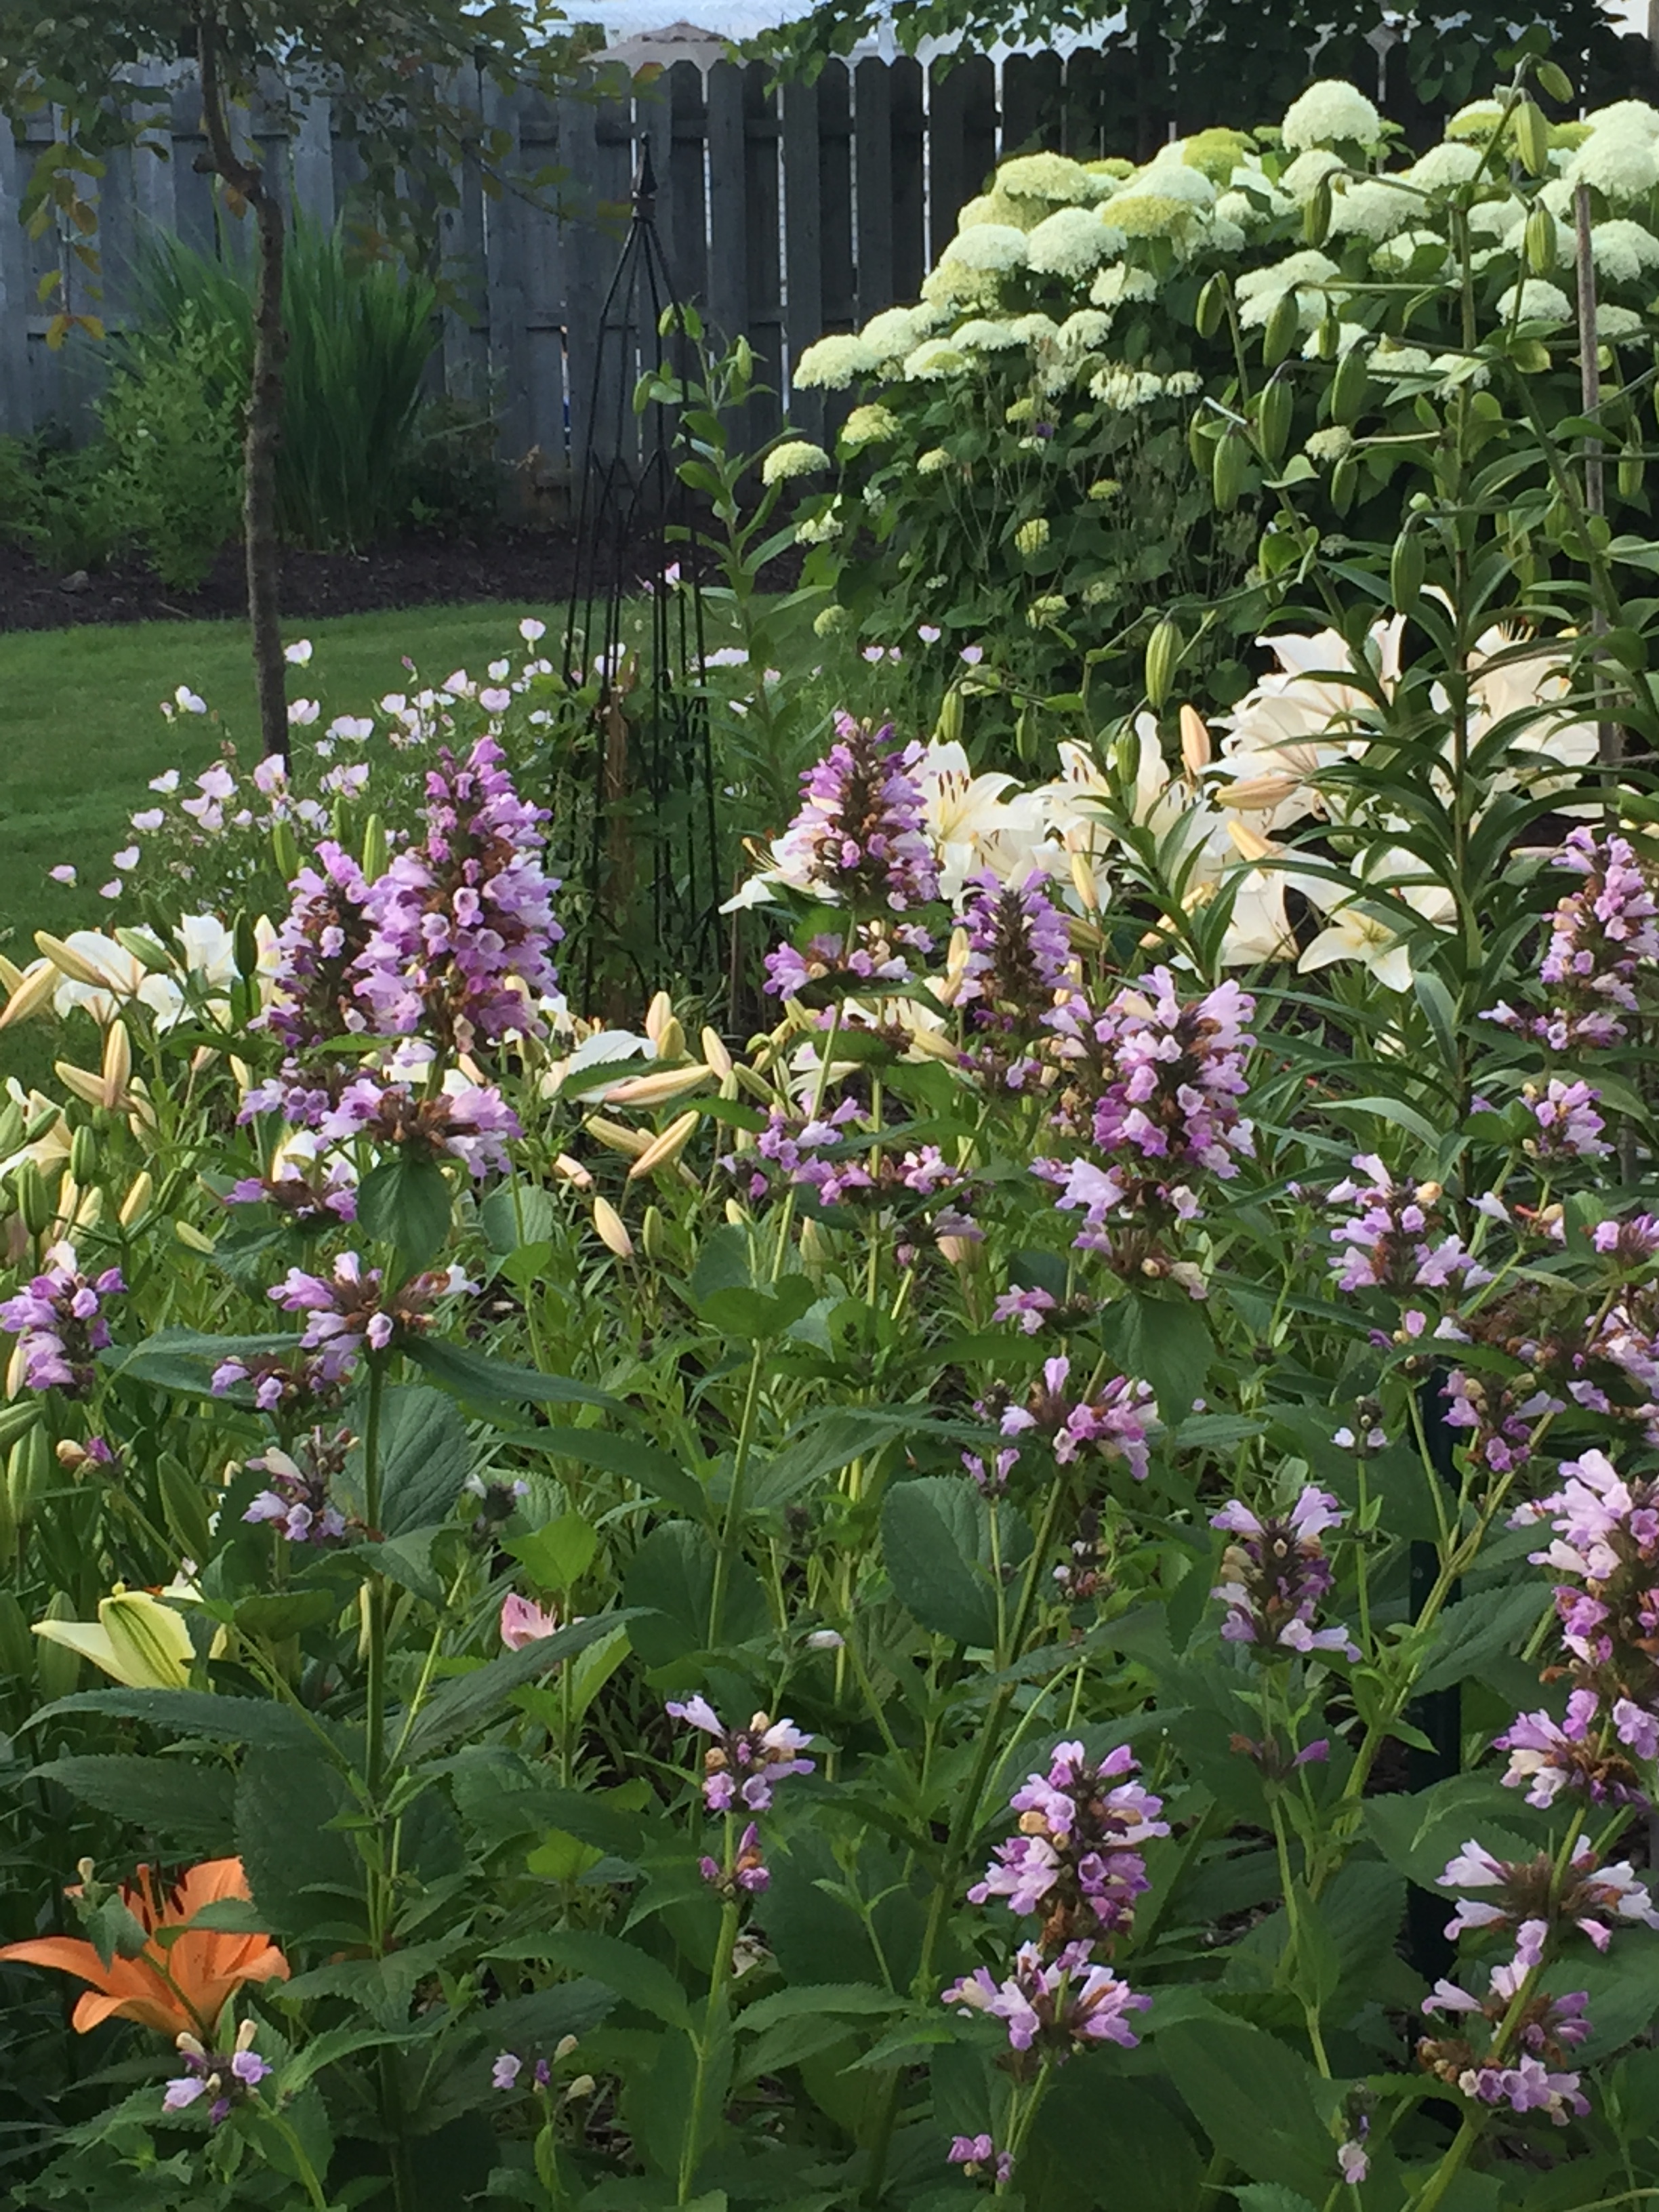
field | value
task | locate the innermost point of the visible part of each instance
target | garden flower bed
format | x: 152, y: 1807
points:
x: 1034, y: 1579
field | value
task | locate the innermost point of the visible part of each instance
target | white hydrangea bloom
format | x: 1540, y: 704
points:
x: 1400, y: 361
x: 1122, y: 388
x: 1372, y: 209
x: 934, y: 462
x: 1071, y: 242
x: 932, y: 359
x: 988, y: 247
x: 1558, y: 196
x: 1617, y: 325
x: 1183, y: 384
x: 835, y: 363
x: 1535, y: 300
x: 1395, y: 255
x: 1051, y: 176
x: 981, y: 335
x: 1308, y: 171
x: 1242, y: 211
x: 874, y: 425
x: 981, y: 209
x: 1453, y: 163
x: 1348, y: 336
x: 1634, y: 115
x: 1461, y: 368
x: 953, y: 286
x: 1617, y: 161
x: 1035, y: 330
x: 818, y: 530
x: 1496, y: 218
x: 1173, y: 179
x: 1331, y: 112
x: 1117, y: 286
x: 1224, y: 237
x: 797, y: 459
x: 1479, y: 120
x: 1622, y: 250
x: 1086, y: 328
x: 895, y: 331
x: 1260, y: 290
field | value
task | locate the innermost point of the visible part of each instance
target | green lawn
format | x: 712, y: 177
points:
x: 81, y: 732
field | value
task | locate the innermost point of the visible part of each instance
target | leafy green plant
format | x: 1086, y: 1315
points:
x: 171, y: 420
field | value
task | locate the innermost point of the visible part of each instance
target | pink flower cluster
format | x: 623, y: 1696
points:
x: 740, y: 1769
x: 1055, y: 2007
x: 59, y: 1322
x: 858, y: 838
x: 1276, y: 1574
x: 1390, y: 1242
x: 1117, y: 1421
x: 1600, y: 935
x: 1076, y: 1857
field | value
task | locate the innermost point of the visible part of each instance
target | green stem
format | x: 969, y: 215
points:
x: 719, y: 1986
x: 307, y: 2173
x: 732, y: 1523
x: 375, y: 1591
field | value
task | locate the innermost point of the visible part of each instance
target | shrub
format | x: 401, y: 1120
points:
x: 171, y: 419
x: 1114, y: 375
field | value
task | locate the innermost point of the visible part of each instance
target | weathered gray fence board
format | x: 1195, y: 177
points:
x: 779, y: 216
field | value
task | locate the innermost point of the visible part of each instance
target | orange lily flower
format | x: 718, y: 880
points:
x: 179, y: 1987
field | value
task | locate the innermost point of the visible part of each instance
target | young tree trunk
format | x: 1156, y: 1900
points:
x: 265, y: 404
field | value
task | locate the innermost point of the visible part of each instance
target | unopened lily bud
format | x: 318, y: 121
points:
x: 1196, y: 749
x: 192, y: 1239
x: 1250, y: 843
x: 936, y: 1044
x: 652, y: 1233
x: 583, y: 2086
x: 1082, y: 882
x: 10, y: 975
x: 573, y: 1172
x: 735, y: 1214
x: 32, y: 990
x: 145, y: 950
x: 657, y: 1090
x: 616, y: 1137
x: 136, y: 1204
x: 714, y: 1052
x: 241, y: 1071
x: 83, y: 1156
x: 86, y: 1087
x: 664, y: 1149
x: 814, y: 1248
x: 118, y: 1066
x: 658, y: 1016
x: 69, y: 963
x: 751, y: 1080
x: 1253, y: 794
x: 202, y: 1059
x: 611, y: 1230
x: 70, y: 1455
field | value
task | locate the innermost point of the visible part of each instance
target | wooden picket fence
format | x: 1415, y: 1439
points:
x: 783, y: 213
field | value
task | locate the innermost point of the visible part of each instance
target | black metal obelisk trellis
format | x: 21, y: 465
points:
x: 634, y: 646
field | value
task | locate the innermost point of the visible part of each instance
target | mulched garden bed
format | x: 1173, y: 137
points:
x: 530, y: 568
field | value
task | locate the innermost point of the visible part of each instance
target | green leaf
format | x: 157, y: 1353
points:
x: 828, y: 1443
x: 1477, y: 1630
x: 1254, y: 2098
x: 1272, y: 2196
x: 514, y: 1214
x: 276, y: 1615
x: 1093, y: 2124
x: 174, y: 1799
x: 669, y: 1582
x: 1392, y: 1110
x: 480, y: 1381
x: 406, y: 1201
x: 190, y: 1713
x: 308, y: 1878
x: 934, y: 1536
x: 627, y: 1456
x: 630, y: 1974
x: 461, y: 1705
x: 1163, y: 1341
x: 425, y: 1457
x: 1418, y: 1834
x: 557, y: 1555
x: 183, y: 1359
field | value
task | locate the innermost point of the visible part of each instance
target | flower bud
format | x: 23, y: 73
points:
x: 32, y: 990
x: 117, y: 1068
x: 612, y: 1234
x: 1196, y: 751
x: 68, y: 962
x: 85, y: 1086
x: 657, y: 1090
x: 192, y: 1239
x: 617, y: 1136
x: 84, y: 1155
x: 136, y: 1204
x: 716, y: 1053
x: 573, y: 1172
x: 1164, y: 651
x: 654, y: 1234
x: 563, y: 2048
x: 665, y: 1149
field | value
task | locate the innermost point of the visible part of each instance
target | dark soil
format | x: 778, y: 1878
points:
x: 529, y: 567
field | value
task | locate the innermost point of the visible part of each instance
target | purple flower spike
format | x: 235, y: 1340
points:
x: 1275, y: 1574
x: 858, y: 838
x: 1055, y: 2008
x: 60, y: 1323
x: 1076, y: 1859
x: 742, y: 1766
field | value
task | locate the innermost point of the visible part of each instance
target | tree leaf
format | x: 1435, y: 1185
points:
x: 933, y: 1537
x: 175, y: 1799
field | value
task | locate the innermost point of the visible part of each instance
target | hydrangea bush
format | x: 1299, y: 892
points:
x: 1114, y: 375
